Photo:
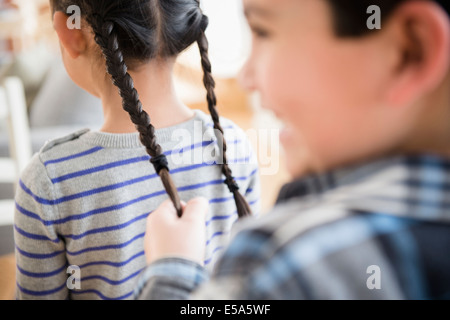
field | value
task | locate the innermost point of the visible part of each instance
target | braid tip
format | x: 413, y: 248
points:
x: 171, y: 190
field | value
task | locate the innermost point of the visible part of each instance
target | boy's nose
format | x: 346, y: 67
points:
x: 246, y: 77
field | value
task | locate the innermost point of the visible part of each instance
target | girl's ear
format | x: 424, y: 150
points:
x: 420, y: 31
x: 72, y: 40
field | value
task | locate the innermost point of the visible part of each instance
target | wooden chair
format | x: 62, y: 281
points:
x: 13, y: 112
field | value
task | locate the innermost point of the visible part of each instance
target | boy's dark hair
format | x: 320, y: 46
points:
x: 350, y: 16
x: 135, y: 31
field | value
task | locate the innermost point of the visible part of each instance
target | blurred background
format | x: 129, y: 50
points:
x: 38, y: 101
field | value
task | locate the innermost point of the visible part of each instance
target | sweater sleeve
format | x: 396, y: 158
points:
x: 170, y: 279
x: 40, y: 251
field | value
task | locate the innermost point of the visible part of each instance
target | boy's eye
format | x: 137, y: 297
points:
x: 260, y: 32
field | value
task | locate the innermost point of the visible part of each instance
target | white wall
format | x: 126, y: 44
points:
x: 228, y: 36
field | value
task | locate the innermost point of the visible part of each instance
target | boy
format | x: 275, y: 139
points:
x: 367, y: 133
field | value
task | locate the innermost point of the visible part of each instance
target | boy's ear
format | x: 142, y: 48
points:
x: 421, y: 31
x: 72, y: 40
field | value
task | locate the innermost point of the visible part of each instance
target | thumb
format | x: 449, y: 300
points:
x: 196, y: 208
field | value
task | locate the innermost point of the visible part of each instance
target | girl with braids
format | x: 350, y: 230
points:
x: 83, y: 200
x: 367, y: 140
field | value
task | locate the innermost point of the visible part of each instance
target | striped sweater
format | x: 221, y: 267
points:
x: 82, y: 203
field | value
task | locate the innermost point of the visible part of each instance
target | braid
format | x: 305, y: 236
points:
x: 106, y: 38
x: 243, y: 208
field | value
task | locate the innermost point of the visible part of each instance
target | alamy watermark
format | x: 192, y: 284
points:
x: 200, y: 146
x: 374, y: 280
x: 74, y: 20
x: 374, y: 21
x: 74, y: 280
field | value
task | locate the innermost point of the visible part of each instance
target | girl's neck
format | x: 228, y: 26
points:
x: 155, y: 86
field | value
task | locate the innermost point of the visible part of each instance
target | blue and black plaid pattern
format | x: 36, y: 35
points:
x: 328, y: 232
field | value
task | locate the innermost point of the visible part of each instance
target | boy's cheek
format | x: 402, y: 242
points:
x: 281, y: 92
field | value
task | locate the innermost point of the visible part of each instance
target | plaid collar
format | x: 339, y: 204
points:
x: 411, y: 186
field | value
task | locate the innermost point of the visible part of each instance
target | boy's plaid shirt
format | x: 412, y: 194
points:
x: 376, y: 231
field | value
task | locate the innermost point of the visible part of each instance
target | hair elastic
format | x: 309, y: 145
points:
x: 160, y: 162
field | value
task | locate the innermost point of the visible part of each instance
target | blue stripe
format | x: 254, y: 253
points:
x: 220, y: 200
x: 113, y: 263
x: 39, y: 256
x: 75, y: 156
x: 93, y: 263
x: 244, y: 160
x: 249, y: 176
x: 208, y: 261
x: 92, y: 212
x: 216, y: 234
x: 36, y: 198
x: 102, y: 189
x: 40, y: 293
x: 100, y: 168
x: 107, y: 247
x: 27, y: 213
x: 42, y: 274
x: 101, y: 295
x: 199, y: 185
x: 106, y: 229
x: 109, y: 281
x: 189, y: 148
x: 34, y: 236
x: 198, y: 145
x: 215, y: 218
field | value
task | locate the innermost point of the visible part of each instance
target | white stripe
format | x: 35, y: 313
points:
x: 307, y: 220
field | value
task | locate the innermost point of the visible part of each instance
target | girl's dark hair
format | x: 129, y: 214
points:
x: 350, y: 16
x: 135, y: 31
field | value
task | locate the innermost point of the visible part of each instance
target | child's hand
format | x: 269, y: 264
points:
x: 170, y: 236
